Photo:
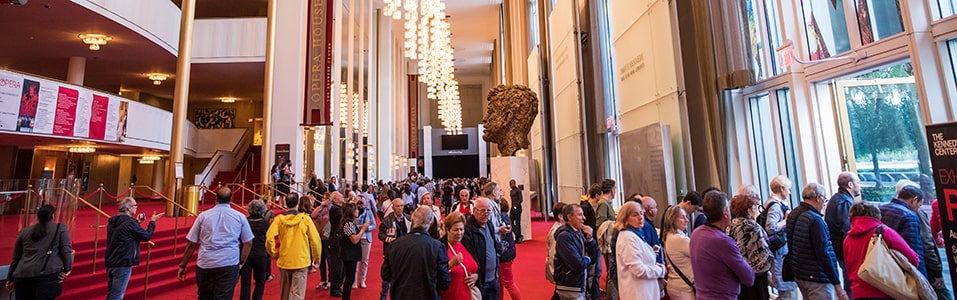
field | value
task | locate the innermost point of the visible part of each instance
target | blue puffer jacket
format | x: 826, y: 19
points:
x: 897, y: 215
x: 572, y: 257
x: 809, y: 246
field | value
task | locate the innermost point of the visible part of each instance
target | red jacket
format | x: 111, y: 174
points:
x: 855, y: 249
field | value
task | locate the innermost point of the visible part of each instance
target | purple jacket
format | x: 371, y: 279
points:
x: 715, y: 255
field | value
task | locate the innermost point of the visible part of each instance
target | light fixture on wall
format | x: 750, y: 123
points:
x: 145, y: 161
x: 227, y: 99
x: 81, y: 149
x: 95, y: 40
x: 150, y: 157
x: 157, y: 78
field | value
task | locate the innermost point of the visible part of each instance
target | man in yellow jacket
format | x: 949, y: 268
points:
x: 299, y: 247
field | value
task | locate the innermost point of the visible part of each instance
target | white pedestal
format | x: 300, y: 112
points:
x: 507, y: 168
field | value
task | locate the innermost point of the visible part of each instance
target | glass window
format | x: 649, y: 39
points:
x: 826, y: 28
x: 947, y: 8
x: 878, y: 19
x: 882, y: 116
x: 789, y: 140
x: 762, y: 132
x: 774, y: 141
x: 775, y: 35
x: 533, y: 32
x: 759, y: 50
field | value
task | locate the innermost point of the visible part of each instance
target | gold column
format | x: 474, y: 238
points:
x: 267, y: 97
x: 180, y: 101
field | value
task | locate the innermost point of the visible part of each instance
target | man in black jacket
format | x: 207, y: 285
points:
x: 480, y: 241
x: 515, y: 195
x: 575, y: 246
x: 123, y: 237
x: 812, y: 258
x: 417, y: 264
x: 393, y: 227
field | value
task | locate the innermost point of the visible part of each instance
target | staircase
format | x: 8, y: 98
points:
x: 164, y: 264
x: 251, y: 160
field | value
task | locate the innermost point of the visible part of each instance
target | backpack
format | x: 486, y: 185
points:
x: 606, y: 231
x: 778, y: 239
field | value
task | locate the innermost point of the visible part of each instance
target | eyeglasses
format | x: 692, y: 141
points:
x: 484, y: 210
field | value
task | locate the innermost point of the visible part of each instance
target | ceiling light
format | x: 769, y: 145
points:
x: 227, y: 99
x: 95, y: 40
x: 150, y: 157
x: 81, y: 149
x: 144, y: 161
x: 157, y: 78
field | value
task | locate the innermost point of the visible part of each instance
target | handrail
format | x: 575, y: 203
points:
x: 243, y: 186
x: 217, y: 156
x: 166, y: 198
x: 103, y: 213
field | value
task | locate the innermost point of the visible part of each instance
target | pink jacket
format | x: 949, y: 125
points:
x: 855, y: 249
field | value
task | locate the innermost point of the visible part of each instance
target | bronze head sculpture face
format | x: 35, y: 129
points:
x: 511, y: 111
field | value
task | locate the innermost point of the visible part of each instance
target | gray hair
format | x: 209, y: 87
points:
x: 748, y: 190
x: 422, y: 217
x: 126, y: 203
x: 902, y: 183
x: 812, y: 191
x: 256, y: 208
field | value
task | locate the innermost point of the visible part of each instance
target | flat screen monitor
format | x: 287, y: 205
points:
x: 455, y: 142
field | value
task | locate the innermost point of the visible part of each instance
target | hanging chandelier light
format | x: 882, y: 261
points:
x: 428, y: 40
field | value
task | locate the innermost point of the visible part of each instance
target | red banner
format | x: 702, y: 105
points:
x: 319, y: 66
x: 65, y: 111
x: 413, y: 115
x: 98, y: 113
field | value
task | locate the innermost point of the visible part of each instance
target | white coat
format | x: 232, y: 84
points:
x: 638, y: 272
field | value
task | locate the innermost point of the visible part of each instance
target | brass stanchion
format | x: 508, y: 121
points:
x: 26, y: 208
x: 96, y: 232
x: 146, y: 279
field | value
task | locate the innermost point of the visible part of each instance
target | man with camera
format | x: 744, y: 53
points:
x: 123, y: 237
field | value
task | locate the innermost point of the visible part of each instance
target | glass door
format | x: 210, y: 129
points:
x: 879, y: 114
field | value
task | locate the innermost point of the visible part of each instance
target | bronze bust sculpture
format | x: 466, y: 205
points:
x: 511, y: 111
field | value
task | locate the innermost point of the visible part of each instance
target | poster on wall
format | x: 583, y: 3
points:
x: 10, y: 89
x: 942, y: 140
x: 65, y: 111
x: 98, y: 111
x: 29, y: 100
x: 122, y: 113
x: 282, y: 153
x: 84, y: 106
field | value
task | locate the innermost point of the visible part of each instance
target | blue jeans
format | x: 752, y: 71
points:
x: 116, y: 280
x: 216, y: 283
x: 490, y: 290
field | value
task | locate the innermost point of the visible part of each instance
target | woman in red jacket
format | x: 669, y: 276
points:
x: 864, y: 219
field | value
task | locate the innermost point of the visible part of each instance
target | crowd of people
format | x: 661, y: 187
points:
x: 708, y: 246
x: 714, y: 246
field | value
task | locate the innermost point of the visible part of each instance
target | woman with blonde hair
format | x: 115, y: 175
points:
x: 638, y: 272
x: 677, y: 253
x: 776, y: 215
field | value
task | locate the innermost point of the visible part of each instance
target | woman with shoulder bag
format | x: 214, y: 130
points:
x: 865, y: 218
x: 677, y: 254
x: 461, y: 264
x: 42, y: 258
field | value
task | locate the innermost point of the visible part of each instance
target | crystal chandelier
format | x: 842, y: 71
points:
x: 428, y: 40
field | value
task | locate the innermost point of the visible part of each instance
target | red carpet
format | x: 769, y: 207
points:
x: 529, y: 266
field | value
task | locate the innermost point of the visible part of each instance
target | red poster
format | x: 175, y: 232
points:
x: 65, y: 111
x: 98, y: 113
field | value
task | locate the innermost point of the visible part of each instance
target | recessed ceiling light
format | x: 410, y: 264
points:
x: 227, y: 99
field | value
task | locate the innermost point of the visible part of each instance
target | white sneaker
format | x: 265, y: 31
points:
x: 363, y: 284
x: 355, y: 286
